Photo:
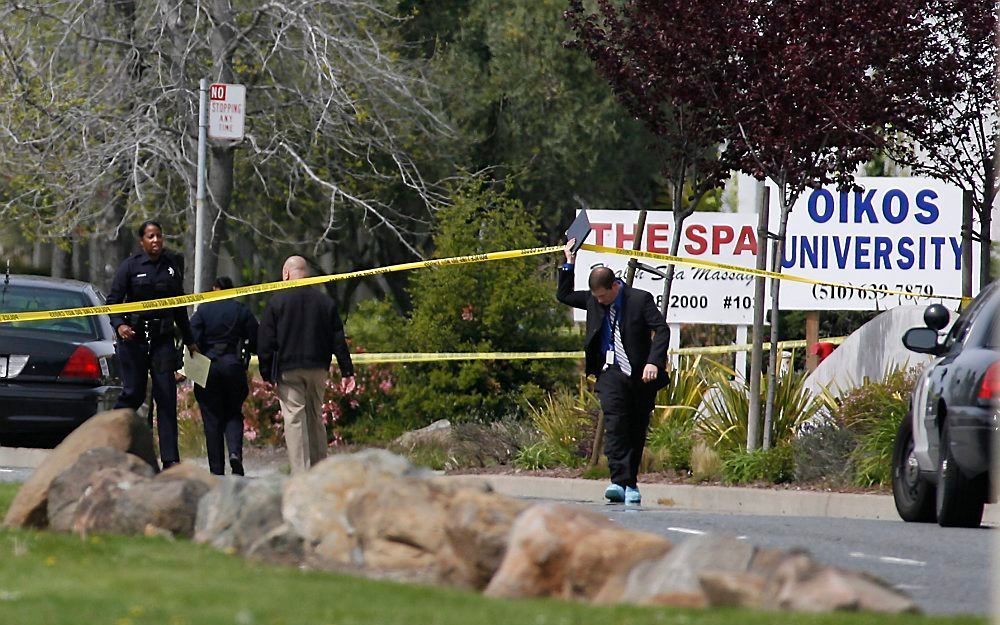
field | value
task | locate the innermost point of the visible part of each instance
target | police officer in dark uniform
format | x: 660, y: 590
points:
x: 226, y: 332
x: 145, y: 340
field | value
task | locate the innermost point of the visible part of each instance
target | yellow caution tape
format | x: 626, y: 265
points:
x: 211, y: 296
x: 267, y: 287
x: 693, y: 262
x: 373, y: 358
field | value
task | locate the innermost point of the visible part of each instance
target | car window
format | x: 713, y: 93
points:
x: 982, y: 302
x: 31, y: 298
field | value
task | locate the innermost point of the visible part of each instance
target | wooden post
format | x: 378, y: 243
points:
x: 967, y: 243
x: 812, y: 337
x: 757, y: 354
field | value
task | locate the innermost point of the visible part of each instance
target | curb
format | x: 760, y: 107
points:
x: 23, y: 457
x: 720, y: 499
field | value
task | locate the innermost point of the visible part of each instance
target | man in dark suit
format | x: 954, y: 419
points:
x: 626, y: 348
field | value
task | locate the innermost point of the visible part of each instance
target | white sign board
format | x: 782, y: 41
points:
x: 697, y: 295
x: 900, y: 234
x: 226, y: 111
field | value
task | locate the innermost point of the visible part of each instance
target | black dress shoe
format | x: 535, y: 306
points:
x: 237, y: 465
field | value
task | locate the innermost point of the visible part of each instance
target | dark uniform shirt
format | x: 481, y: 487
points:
x: 220, y: 327
x: 138, y: 279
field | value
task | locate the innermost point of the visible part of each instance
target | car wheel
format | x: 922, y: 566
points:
x: 960, y: 501
x: 914, y: 495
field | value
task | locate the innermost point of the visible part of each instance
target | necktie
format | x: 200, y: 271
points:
x: 616, y: 340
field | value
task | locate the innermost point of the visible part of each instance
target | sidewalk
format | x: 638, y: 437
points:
x: 719, y: 499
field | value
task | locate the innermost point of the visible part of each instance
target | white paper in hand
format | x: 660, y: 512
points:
x: 196, y: 368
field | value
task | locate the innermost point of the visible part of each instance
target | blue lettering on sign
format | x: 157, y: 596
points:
x: 863, y: 206
x: 814, y: 214
x: 841, y: 253
x: 904, y: 206
x: 930, y: 209
x: 905, y: 243
x: 861, y: 252
x: 883, y: 245
x: 956, y: 247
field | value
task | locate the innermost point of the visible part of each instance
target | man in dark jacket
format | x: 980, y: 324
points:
x: 224, y: 330
x: 300, y: 331
x: 626, y: 348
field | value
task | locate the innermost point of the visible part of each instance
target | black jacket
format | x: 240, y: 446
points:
x: 640, y: 319
x: 301, y: 329
x: 221, y: 327
x: 138, y: 279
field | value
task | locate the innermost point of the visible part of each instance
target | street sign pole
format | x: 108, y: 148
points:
x: 199, y: 206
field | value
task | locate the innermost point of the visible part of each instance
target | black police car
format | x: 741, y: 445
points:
x: 54, y: 374
x: 941, y: 460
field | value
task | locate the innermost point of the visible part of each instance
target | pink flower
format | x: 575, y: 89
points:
x: 467, y: 313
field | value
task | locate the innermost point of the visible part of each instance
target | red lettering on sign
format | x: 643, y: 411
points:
x: 599, y: 230
x: 721, y: 235
x: 622, y: 237
x: 747, y: 241
x: 696, y: 236
x: 654, y: 239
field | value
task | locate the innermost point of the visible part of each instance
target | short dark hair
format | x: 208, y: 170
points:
x: 224, y: 282
x: 601, y: 278
x: 146, y: 224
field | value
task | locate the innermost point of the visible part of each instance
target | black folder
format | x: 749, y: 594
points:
x: 579, y: 230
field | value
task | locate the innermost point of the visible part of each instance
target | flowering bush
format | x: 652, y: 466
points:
x: 263, y: 424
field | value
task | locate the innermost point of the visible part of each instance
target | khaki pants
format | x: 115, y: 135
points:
x: 300, y: 393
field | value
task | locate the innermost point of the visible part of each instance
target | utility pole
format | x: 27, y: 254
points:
x: 199, y: 203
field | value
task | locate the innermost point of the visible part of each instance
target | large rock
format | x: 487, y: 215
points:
x: 235, y: 515
x: 280, y: 545
x: 438, y: 433
x: 315, y: 502
x: 801, y: 584
x: 67, y: 489
x: 431, y: 530
x: 190, y: 471
x: 120, y: 502
x: 676, y: 575
x: 118, y: 429
x: 567, y: 552
x: 725, y: 572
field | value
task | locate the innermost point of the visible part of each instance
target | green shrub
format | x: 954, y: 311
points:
x: 873, y: 412
x: 672, y: 427
x: 564, y: 424
x: 819, y: 454
x: 727, y: 408
x: 507, y: 305
x: 761, y: 465
x: 706, y: 464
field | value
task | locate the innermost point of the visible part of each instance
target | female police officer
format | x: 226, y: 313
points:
x: 222, y: 330
x: 145, y: 340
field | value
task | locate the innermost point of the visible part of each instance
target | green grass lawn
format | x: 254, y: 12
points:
x: 51, y: 579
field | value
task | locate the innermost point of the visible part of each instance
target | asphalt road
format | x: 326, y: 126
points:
x: 947, y: 571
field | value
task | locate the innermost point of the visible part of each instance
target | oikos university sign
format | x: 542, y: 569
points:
x: 900, y: 234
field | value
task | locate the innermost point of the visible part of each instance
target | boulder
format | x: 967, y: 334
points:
x: 67, y: 489
x: 568, y: 552
x: 315, y: 502
x: 280, y: 545
x: 676, y: 574
x: 427, y: 529
x: 119, y: 502
x: 237, y: 513
x: 438, y: 433
x: 801, y: 584
x: 118, y: 429
x: 190, y: 471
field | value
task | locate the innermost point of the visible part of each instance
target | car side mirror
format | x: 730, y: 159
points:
x: 922, y: 341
